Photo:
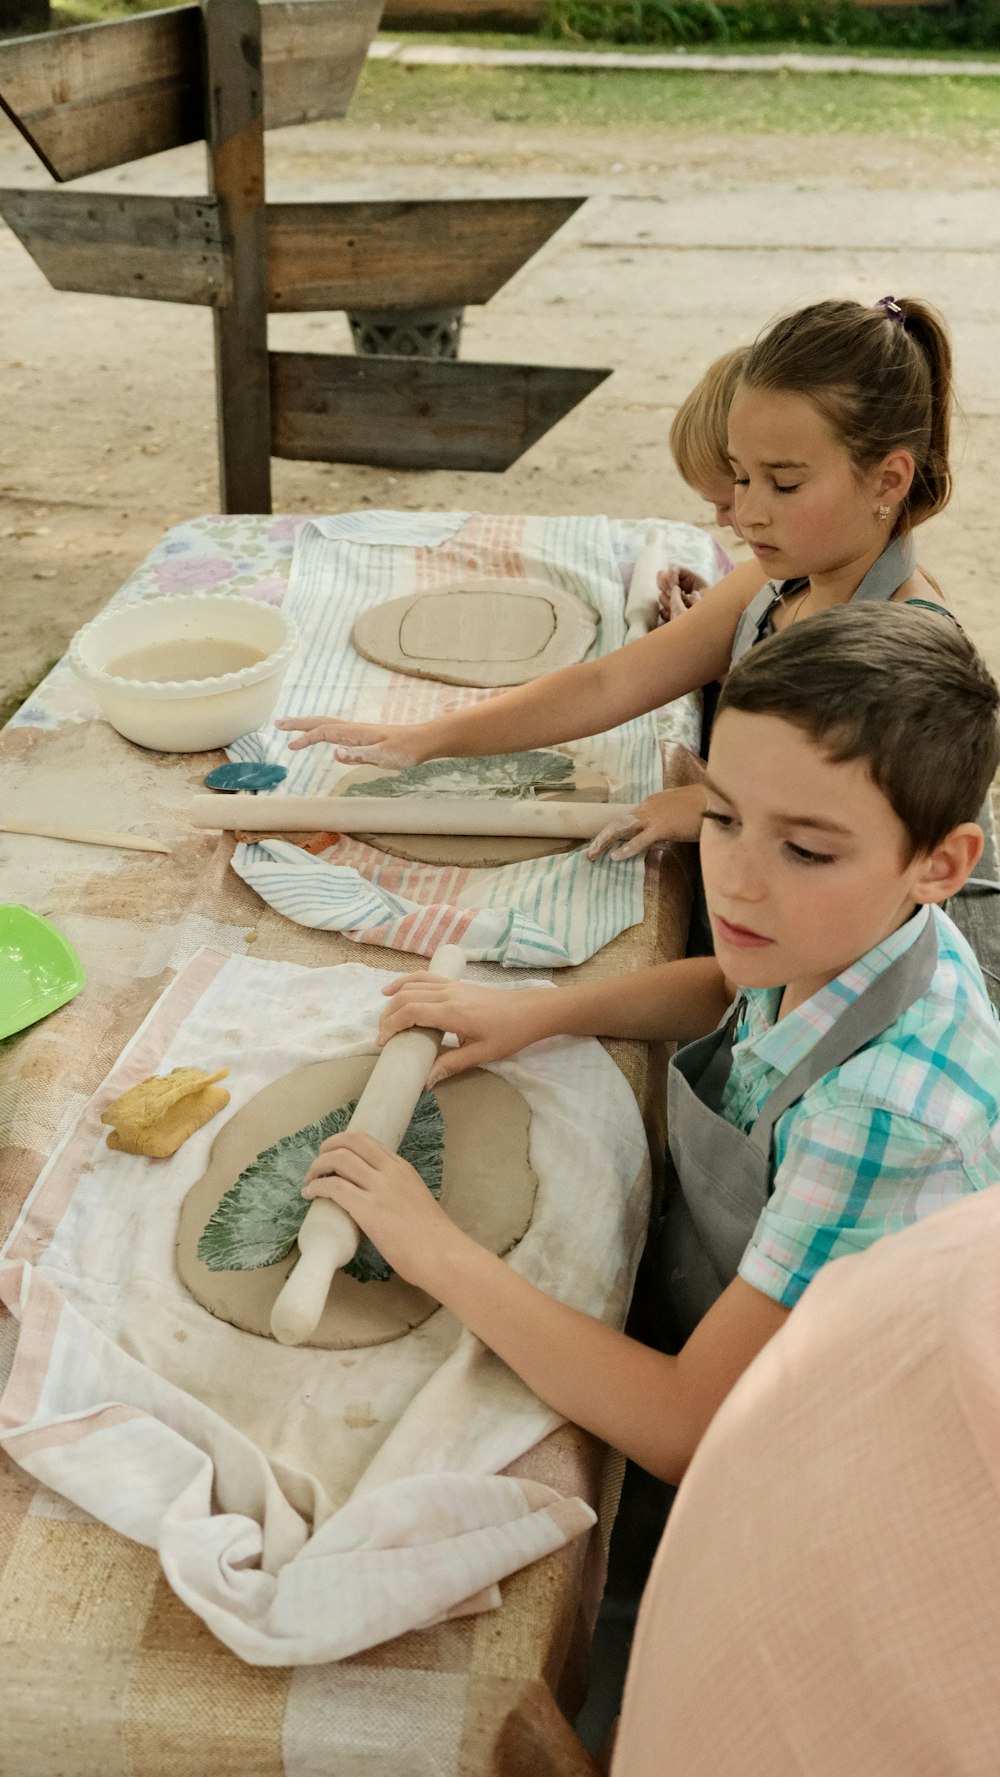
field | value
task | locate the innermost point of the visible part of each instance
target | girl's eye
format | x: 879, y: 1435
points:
x: 790, y: 489
x: 720, y: 820
x: 741, y: 481
x: 810, y: 857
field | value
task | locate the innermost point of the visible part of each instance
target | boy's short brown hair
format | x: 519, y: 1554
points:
x: 900, y: 689
x: 699, y: 436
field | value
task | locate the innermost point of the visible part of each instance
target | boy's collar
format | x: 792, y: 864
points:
x: 781, y: 1043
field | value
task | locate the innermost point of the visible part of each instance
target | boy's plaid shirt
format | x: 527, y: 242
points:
x: 907, y: 1125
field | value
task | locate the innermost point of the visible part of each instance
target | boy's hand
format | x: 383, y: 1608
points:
x: 363, y: 743
x: 680, y: 588
x: 669, y: 815
x: 489, y: 1022
x: 389, y: 1201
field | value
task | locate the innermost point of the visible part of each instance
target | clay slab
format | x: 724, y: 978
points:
x: 488, y: 1190
x: 482, y: 632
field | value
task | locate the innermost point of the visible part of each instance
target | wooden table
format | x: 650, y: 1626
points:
x: 103, y: 1672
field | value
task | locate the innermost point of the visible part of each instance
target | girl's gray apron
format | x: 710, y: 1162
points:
x: 885, y: 576
x: 725, y: 1176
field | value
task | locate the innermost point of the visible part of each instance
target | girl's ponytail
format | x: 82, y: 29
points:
x: 882, y: 379
x: 931, y: 488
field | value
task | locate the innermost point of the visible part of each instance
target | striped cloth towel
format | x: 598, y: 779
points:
x: 546, y: 913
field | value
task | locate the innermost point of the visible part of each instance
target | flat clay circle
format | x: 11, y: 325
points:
x: 488, y: 1189
x: 482, y: 632
x: 466, y: 851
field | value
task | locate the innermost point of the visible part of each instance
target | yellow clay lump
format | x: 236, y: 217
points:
x: 157, y: 1115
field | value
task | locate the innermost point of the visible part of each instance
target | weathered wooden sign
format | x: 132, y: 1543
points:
x: 101, y: 95
x: 226, y: 70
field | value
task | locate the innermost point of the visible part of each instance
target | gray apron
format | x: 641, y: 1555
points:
x: 725, y: 1176
x: 885, y: 576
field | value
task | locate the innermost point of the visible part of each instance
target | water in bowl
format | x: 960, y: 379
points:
x: 195, y: 658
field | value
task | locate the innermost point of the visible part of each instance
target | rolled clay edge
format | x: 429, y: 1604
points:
x: 328, y: 1238
x: 494, y: 817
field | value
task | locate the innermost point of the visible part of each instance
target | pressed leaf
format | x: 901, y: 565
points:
x: 502, y: 775
x: 258, y: 1220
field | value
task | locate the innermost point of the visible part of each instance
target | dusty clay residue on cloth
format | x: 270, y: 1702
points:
x: 489, y: 1190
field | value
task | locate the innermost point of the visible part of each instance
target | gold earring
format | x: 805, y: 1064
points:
x: 882, y: 513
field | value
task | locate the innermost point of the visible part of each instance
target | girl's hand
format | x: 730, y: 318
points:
x: 389, y: 1201
x: 489, y: 1022
x: 669, y: 815
x: 680, y: 588
x: 364, y: 743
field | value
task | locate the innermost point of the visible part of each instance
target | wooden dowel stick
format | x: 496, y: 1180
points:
x: 84, y: 836
x: 328, y: 1238
x: 492, y: 816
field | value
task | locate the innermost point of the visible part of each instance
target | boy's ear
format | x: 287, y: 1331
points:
x: 943, y: 870
x: 895, y: 477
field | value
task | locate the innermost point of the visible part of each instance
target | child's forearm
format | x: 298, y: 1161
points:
x: 585, y: 1370
x: 563, y: 706
x: 673, y: 1002
x: 601, y: 694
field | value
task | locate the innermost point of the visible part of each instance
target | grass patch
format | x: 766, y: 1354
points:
x: 442, y: 100
x: 96, y: 12
x: 10, y: 704
x: 836, y: 24
x: 839, y: 23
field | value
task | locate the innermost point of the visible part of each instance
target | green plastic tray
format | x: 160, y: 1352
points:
x: 39, y: 969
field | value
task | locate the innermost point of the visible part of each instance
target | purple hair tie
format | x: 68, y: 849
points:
x: 892, y: 309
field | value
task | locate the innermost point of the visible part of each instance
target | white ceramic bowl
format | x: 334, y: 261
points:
x: 185, y: 715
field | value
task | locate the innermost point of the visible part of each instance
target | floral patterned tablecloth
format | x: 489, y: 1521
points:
x: 103, y: 1673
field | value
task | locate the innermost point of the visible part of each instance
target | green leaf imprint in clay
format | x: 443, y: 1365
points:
x: 258, y: 1220
x: 507, y: 775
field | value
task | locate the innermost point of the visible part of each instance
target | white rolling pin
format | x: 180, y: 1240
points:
x: 328, y: 1237
x: 489, y: 815
x: 643, y: 604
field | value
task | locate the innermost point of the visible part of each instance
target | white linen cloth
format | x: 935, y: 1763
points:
x: 306, y: 1504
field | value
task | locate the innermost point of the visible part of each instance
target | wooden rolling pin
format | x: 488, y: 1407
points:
x: 493, y: 816
x: 328, y: 1238
x: 84, y: 836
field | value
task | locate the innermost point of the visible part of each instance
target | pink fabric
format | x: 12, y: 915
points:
x: 826, y: 1599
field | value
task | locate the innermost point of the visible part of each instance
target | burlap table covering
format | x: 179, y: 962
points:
x: 103, y: 1672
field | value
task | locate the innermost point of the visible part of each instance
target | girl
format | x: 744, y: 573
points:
x: 838, y: 436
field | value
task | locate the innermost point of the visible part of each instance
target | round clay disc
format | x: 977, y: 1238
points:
x: 488, y: 1189
x: 480, y: 632
x: 474, y: 851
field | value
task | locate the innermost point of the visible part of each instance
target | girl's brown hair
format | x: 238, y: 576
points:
x: 882, y: 379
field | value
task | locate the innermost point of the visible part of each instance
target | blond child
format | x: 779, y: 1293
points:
x: 699, y: 438
x: 854, y: 1086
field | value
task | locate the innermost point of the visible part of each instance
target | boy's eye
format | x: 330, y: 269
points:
x: 787, y: 487
x: 721, y: 820
x: 810, y: 857
x: 741, y: 481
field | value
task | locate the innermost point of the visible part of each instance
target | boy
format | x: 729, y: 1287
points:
x: 856, y: 1087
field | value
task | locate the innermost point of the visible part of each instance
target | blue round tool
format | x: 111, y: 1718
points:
x: 251, y: 775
